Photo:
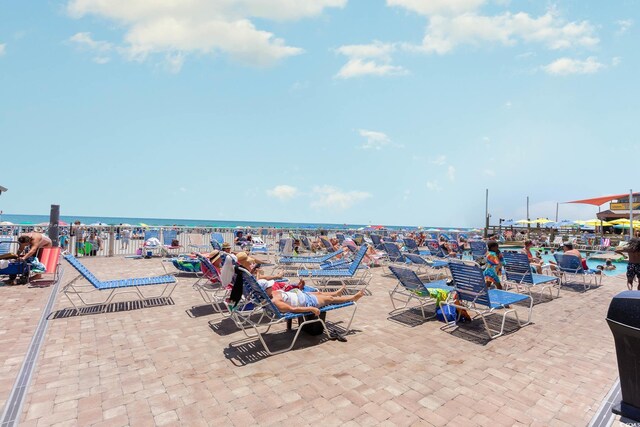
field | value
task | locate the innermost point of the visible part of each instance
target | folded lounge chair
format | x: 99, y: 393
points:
x: 518, y: 271
x: 352, y: 271
x: 198, y: 242
x: 274, y: 316
x: 472, y: 295
x: 112, y: 288
x: 302, y: 260
x: 410, y: 287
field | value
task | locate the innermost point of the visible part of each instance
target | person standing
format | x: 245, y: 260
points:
x: 78, y: 234
x: 633, y: 267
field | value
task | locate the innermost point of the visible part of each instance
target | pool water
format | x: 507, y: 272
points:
x: 621, y: 266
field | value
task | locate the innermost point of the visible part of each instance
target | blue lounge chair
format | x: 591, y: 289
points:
x: 393, y: 253
x: 112, y: 288
x: 351, y: 271
x: 571, y: 266
x: 427, y: 265
x: 305, y: 242
x: 473, y: 295
x: 302, y: 260
x: 15, y: 267
x: 518, y: 271
x: 478, y: 249
x: 340, y: 237
x: 169, y: 237
x: 411, y: 245
x: 410, y: 287
x: 435, y: 249
x: 377, y: 242
x: 274, y: 316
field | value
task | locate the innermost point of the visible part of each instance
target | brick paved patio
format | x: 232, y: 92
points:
x: 163, y: 366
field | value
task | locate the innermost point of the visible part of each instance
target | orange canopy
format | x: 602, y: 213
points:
x: 597, y: 201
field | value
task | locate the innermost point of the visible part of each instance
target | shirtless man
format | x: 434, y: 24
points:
x: 633, y: 267
x: 35, y: 241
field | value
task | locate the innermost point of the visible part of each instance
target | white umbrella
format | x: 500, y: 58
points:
x: 6, y: 223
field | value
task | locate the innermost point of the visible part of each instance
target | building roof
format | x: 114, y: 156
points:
x: 616, y: 214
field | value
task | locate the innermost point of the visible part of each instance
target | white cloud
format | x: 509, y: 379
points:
x: 438, y: 7
x: 369, y: 59
x: 489, y: 172
x: 623, y: 26
x: 567, y: 66
x: 3, y: 48
x: 374, y: 140
x: 451, y: 173
x: 178, y: 28
x: 334, y: 198
x: 433, y: 186
x: 440, y: 160
x: 283, y: 192
x: 461, y: 25
x: 101, y: 49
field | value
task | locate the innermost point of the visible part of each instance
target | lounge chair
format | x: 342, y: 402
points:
x: 557, y: 242
x: 478, y: 249
x: 198, y: 242
x: 571, y: 266
x: 112, y: 288
x: 411, y: 245
x: 361, y: 276
x: 431, y: 267
x: 340, y: 237
x: 209, y: 286
x: 472, y: 295
x: 274, y: 316
x: 377, y: 242
x: 518, y: 271
x: 410, y: 287
x: 393, y: 253
x: 152, y: 244
x: 169, y: 240
x: 50, y: 257
x: 305, y: 260
x: 435, y: 249
x: 15, y: 267
x: 305, y: 242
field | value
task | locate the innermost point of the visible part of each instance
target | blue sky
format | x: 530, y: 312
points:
x: 342, y: 111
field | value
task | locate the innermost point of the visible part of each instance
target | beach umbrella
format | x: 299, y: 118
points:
x: 541, y: 221
x: 621, y: 221
x: 63, y: 223
x: 125, y: 225
x: 6, y: 223
x: 508, y: 223
x: 455, y: 230
x: 523, y: 221
x: 565, y: 223
x: 142, y: 224
x: 434, y: 229
x: 98, y: 224
x: 596, y: 223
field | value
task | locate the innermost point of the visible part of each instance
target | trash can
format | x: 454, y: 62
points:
x: 624, y: 320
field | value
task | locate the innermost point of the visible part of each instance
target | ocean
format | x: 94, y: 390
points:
x: 37, y: 219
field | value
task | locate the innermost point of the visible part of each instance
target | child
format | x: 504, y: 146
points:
x: 493, y: 268
x: 608, y: 265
